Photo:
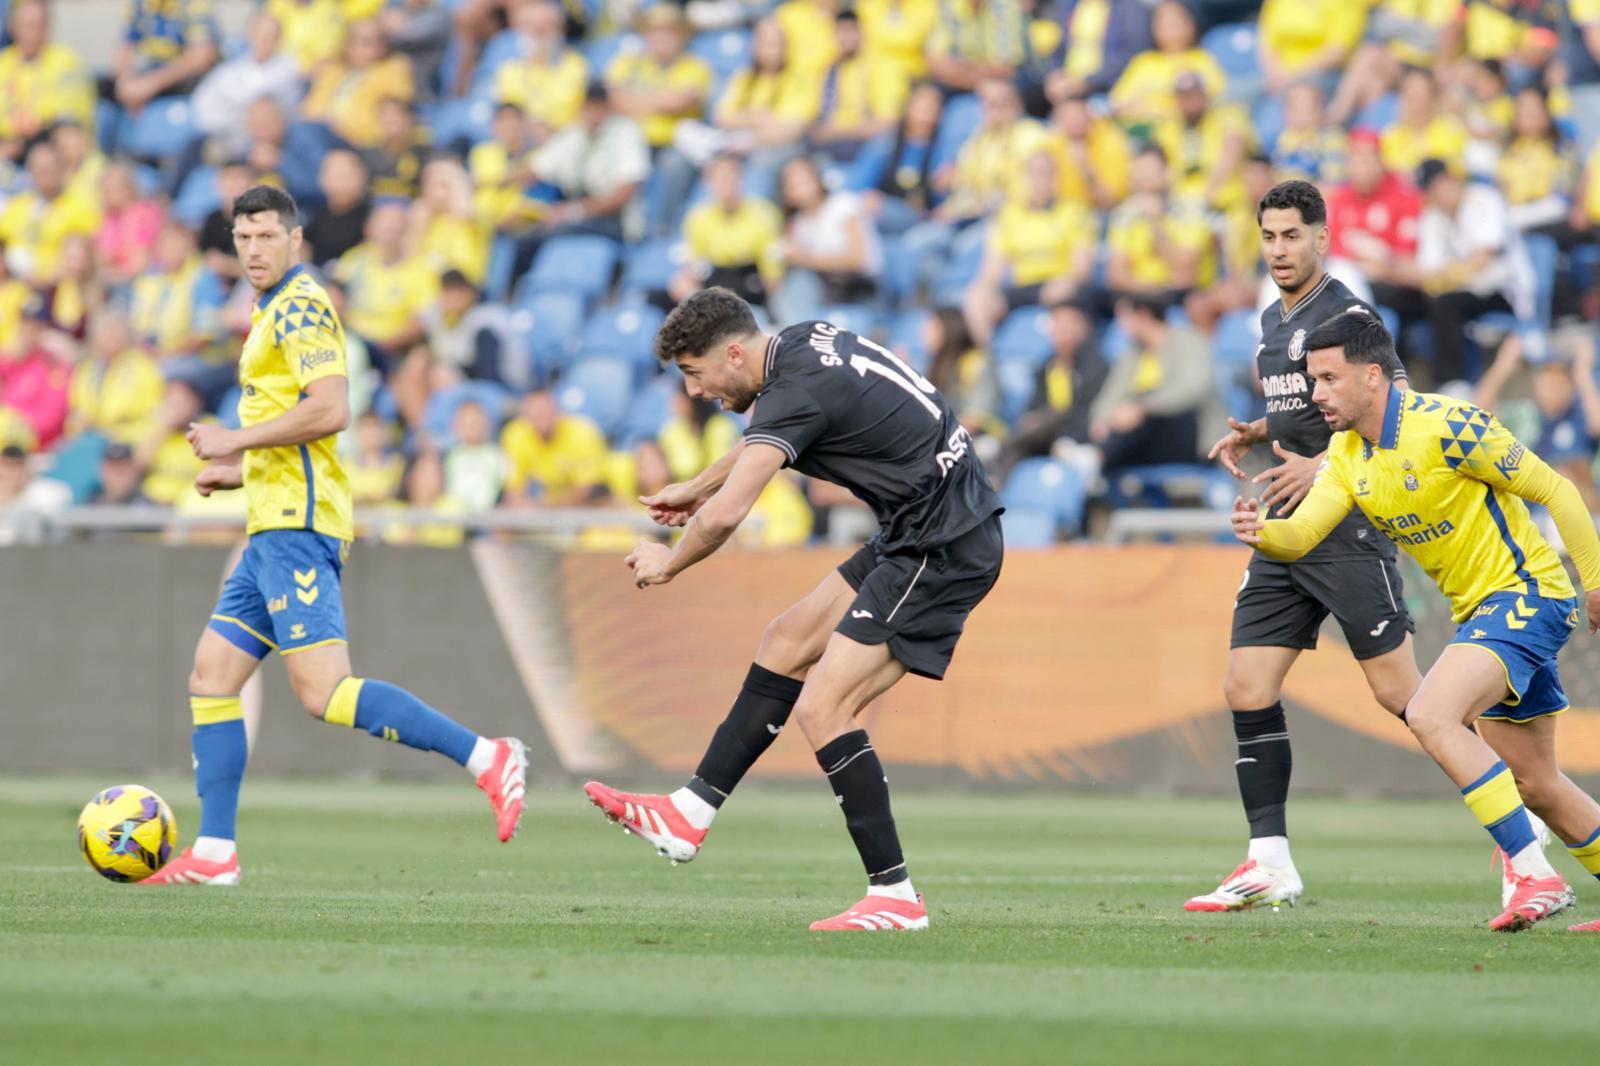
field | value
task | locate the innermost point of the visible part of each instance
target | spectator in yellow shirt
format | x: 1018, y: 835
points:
x: 1520, y: 34
x: 1157, y: 248
x: 660, y: 88
x: 808, y: 25
x: 662, y: 85
x: 731, y: 238
x: 1537, y: 172
x: 1093, y: 154
x: 41, y: 81
x: 395, y: 162
x: 547, y: 78
x: 313, y: 31
x: 164, y: 454
x: 1308, y: 40
x: 1205, y: 146
x: 175, y: 305
x: 166, y: 47
x: 894, y: 32
x: 116, y: 388
x: 1040, y: 251
x: 34, y: 223
x: 1145, y: 94
x: 860, y: 100
x: 1310, y: 147
x: 557, y: 459
x: 375, y: 469
x: 1422, y: 130
x: 502, y: 170
x: 697, y: 435
x: 345, y: 94
x: 976, y: 40
x: 444, y: 227
x: 1401, y: 34
x: 987, y: 166
x: 388, y: 287
x: 772, y: 101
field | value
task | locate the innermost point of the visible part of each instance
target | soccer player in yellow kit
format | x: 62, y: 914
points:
x: 1446, y: 482
x: 285, y: 593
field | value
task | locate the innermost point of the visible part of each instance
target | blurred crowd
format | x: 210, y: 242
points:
x: 1048, y: 208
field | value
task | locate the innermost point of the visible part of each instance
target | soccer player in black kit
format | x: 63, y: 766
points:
x: 1281, y: 606
x: 838, y: 407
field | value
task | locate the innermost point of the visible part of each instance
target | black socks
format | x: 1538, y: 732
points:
x: 1263, y: 768
x: 858, y: 783
x: 757, y: 717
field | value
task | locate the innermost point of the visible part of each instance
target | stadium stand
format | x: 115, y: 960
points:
x: 577, y: 265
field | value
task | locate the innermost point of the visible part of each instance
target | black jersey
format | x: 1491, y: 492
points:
x: 1292, y: 419
x: 849, y: 411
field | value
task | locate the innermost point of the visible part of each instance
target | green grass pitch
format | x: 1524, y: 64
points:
x: 382, y: 923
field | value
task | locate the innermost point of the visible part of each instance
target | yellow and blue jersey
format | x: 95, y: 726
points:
x: 295, y: 339
x: 1445, y: 481
x: 160, y: 30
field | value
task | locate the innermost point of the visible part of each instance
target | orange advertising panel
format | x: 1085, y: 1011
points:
x: 1075, y: 652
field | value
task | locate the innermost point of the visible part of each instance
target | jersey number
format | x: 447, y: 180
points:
x: 919, y: 387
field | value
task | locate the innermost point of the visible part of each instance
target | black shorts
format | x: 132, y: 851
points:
x: 1282, y: 605
x: 918, y: 603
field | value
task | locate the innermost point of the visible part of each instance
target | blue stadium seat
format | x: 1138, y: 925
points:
x: 1017, y: 378
x: 965, y: 259
x: 197, y: 198
x: 961, y: 115
x: 857, y: 318
x: 1023, y: 337
x: 1381, y: 113
x: 161, y: 131
x: 649, y: 266
x: 502, y: 258
x: 724, y: 51
x: 468, y: 118
x: 899, y: 281
x: 602, y: 50
x: 1235, y: 340
x: 503, y: 48
x: 548, y: 323
x: 1045, y: 485
x: 649, y: 412
x: 600, y: 390
x: 494, y: 398
x: 1160, y: 485
x: 1233, y: 46
x: 1545, y: 256
x: 1268, y: 117
x: 1025, y: 528
x: 905, y: 338
x: 626, y: 331
x: 581, y: 265
x: 1115, y: 342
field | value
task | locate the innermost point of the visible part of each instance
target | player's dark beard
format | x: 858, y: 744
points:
x: 739, y: 399
x: 1301, y: 279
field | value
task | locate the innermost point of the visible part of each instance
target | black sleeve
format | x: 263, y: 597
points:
x: 787, y: 418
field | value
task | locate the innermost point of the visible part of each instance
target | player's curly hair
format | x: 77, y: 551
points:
x: 1301, y: 196
x: 1362, y: 335
x: 268, y: 198
x: 696, y: 325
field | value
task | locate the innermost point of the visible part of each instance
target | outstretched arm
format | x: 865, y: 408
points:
x: 714, y: 523
x: 1287, y: 539
x: 1536, y: 482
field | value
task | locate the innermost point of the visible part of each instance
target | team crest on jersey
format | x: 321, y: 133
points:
x: 1297, y: 345
x: 1412, y: 484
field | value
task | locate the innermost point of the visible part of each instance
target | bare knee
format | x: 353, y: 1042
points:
x: 1538, y: 792
x: 791, y: 643
x: 1245, y: 693
x: 313, y: 694
x: 1393, y: 698
x: 821, y: 719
